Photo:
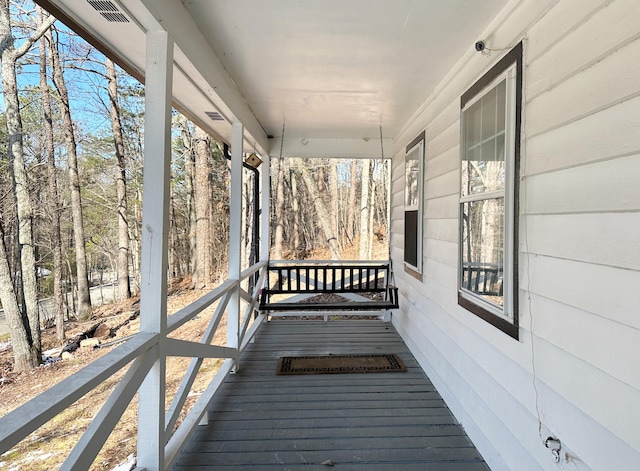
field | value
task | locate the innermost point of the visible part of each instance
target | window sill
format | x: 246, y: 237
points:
x: 501, y: 323
x: 413, y: 272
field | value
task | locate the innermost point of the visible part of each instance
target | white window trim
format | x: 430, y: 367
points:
x: 507, y: 311
x: 420, y: 144
x: 505, y: 317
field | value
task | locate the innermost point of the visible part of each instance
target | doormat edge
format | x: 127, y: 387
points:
x: 389, y: 363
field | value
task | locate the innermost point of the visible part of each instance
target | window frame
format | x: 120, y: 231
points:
x: 419, y: 144
x: 509, y: 67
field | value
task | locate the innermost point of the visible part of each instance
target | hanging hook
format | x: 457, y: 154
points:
x: 282, y: 140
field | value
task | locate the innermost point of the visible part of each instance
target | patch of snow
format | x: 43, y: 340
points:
x: 46, y: 361
x: 127, y: 465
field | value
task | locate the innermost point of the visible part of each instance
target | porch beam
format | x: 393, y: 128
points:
x: 155, y: 234
x: 361, y: 148
x: 178, y: 22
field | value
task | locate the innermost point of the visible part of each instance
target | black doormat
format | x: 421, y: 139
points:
x: 340, y: 364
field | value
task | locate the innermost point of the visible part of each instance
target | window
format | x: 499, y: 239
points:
x: 413, y: 197
x: 490, y: 152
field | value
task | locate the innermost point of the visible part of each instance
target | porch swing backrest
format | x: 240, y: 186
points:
x: 369, y: 281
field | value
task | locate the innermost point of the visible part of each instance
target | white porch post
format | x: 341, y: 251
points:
x: 235, y: 236
x: 155, y: 231
x: 265, y: 239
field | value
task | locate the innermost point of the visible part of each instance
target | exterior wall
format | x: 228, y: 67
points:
x: 575, y: 371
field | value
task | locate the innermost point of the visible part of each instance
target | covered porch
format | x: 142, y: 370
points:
x: 399, y: 80
x: 358, y: 421
x: 290, y: 100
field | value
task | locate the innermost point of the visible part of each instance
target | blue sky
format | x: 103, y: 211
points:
x: 85, y: 89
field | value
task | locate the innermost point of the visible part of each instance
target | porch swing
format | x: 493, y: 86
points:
x: 310, y: 287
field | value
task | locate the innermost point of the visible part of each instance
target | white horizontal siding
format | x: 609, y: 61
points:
x: 582, y: 142
x: 442, y: 185
x: 442, y: 251
x: 594, y: 89
x: 594, y: 40
x: 600, y: 289
x: 439, y: 144
x: 442, y: 207
x: 602, y: 239
x: 442, y: 229
x: 611, y: 353
x: 579, y: 246
x: 563, y: 19
x: 610, y: 185
x: 446, y: 163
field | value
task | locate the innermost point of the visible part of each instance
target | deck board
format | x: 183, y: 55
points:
x: 372, y: 421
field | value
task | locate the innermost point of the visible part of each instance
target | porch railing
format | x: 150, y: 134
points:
x: 141, y: 352
x: 482, y: 278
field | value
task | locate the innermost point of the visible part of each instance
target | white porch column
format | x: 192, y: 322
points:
x: 265, y: 239
x: 235, y: 235
x: 155, y: 232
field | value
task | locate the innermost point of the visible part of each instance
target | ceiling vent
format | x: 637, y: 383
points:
x: 214, y: 115
x: 108, y: 10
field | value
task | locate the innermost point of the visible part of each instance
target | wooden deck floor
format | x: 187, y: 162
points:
x: 372, y: 422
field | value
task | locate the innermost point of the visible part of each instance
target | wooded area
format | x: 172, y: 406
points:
x: 71, y: 165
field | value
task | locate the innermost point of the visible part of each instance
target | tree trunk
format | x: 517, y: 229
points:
x: 82, y: 279
x: 124, y: 288
x: 202, y: 194
x: 53, y: 200
x: 25, y: 328
x: 321, y: 210
x: 295, y: 204
x: 213, y: 227
x: 189, y: 170
x: 173, y: 239
x: 23, y: 202
x: 364, y: 212
x: 351, y: 211
x: 25, y: 354
x: 372, y: 203
x: 136, y: 236
x: 335, y: 198
x: 279, y: 229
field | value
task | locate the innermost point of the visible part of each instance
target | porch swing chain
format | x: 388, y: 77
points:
x: 282, y: 141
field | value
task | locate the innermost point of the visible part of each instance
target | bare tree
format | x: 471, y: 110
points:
x: 189, y: 170
x: 53, y: 199
x: 25, y: 354
x: 321, y: 210
x: 25, y: 326
x: 84, y: 299
x: 124, y: 288
x: 295, y: 197
x: 351, y: 211
x: 202, y: 193
x: 334, y: 202
x: 279, y: 210
x: 365, y: 231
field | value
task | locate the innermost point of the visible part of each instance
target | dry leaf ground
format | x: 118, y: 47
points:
x: 46, y: 448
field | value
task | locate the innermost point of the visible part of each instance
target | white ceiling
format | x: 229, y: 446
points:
x: 327, y: 68
x: 339, y: 68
